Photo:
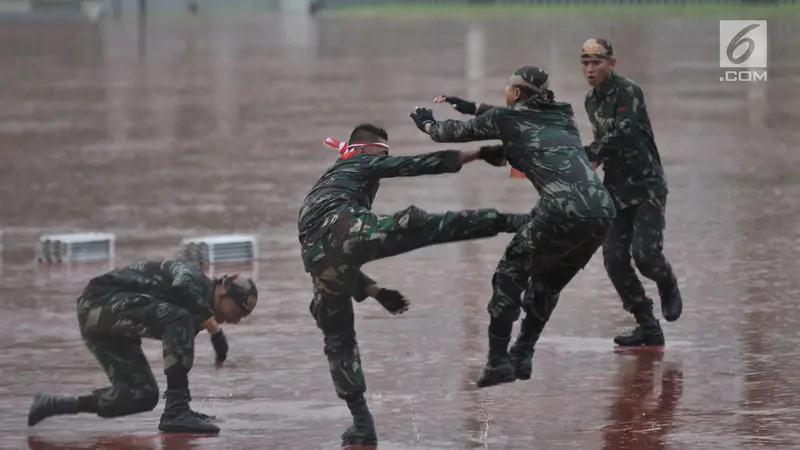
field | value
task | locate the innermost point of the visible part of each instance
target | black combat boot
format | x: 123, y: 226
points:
x: 362, y: 432
x: 179, y: 418
x: 522, y: 352
x: 46, y: 405
x: 671, y: 301
x: 498, y: 369
x: 647, y: 332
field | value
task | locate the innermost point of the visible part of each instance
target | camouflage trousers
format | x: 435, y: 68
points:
x: 112, y: 326
x: 354, y: 241
x: 638, y: 231
x: 541, y: 259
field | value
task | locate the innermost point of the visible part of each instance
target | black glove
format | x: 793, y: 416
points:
x: 493, y: 154
x: 220, y: 346
x: 422, y: 116
x: 392, y: 301
x: 461, y: 105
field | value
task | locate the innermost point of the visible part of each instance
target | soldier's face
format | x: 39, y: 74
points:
x: 227, y: 311
x: 595, y: 70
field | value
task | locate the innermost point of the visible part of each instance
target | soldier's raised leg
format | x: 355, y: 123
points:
x: 647, y: 248
x: 332, y: 309
x: 413, y: 228
x: 618, y: 264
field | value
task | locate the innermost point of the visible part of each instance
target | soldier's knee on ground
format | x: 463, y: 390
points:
x: 124, y: 400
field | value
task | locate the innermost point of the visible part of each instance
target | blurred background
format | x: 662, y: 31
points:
x: 163, y: 120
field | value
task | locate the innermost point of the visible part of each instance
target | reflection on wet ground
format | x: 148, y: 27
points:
x: 172, y: 128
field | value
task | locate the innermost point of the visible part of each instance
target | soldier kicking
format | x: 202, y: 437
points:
x: 339, y: 233
x: 167, y: 300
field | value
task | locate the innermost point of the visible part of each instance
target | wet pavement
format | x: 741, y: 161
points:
x: 174, y: 128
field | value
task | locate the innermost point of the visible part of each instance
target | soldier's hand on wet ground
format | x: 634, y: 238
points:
x: 493, y: 154
x: 458, y: 103
x: 421, y: 117
x: 220, y: 344
x: 393, y: 301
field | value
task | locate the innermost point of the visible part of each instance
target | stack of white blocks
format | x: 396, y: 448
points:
x: 76, y: 247
x: 208, y: 250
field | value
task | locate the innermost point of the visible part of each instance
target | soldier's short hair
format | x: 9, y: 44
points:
x: 367, y: 132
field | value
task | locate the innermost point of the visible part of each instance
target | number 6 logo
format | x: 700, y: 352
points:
x: 737, y: 41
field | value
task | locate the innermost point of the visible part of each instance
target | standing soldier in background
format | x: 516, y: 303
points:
x: 625, y: 146
x: 339, y: 233
x: 166, y: 300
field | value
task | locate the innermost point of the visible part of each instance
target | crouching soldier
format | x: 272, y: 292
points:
x: 169, y: 300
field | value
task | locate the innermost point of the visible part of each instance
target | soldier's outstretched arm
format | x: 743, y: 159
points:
x: 188, y: 287
x: 480, y: 128
x: 630, y: 102
x: 433, y: 163
x: 464, y: 106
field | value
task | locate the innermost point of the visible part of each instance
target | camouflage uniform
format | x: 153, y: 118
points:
x: 116, y: 310
x: 625, y: 146
x: 572, y: 217
x: 339, y: 233
x: 164, y: 300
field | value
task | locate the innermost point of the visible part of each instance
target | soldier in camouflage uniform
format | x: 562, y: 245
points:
x: 339, y: 233
x: 166, y: 300
x: 625, y: 147
x: 572, y: 218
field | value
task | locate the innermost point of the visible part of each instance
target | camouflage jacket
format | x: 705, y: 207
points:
x: 171, y: 281
x: 349, y: 187
x: 543, y: 142
x: 624, y: 142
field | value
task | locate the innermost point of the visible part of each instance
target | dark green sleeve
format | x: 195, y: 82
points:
x: 433, y: 163
x: 628, y: 106
x: 590, y: 112
x: 362, y: 282
x: 481, y: 128
x: 483, y: 108
x: 189, y: 286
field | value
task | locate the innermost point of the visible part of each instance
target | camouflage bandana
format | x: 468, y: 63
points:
x: 533, y: 79
x: 597, y: 48
x: 243, y: 292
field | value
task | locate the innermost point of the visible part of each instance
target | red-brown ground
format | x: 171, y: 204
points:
x: 180, y: 128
